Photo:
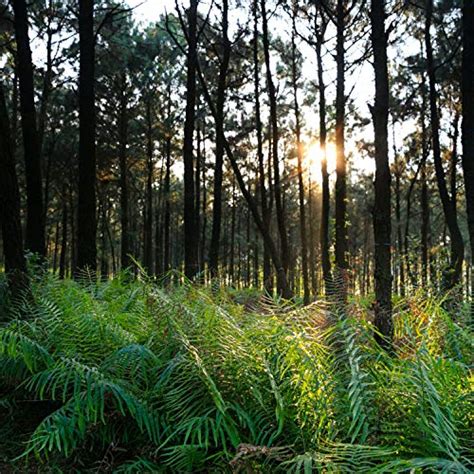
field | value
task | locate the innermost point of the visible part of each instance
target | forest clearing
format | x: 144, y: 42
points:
x: 237, y: 236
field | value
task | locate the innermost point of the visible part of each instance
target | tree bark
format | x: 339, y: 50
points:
x: 86, y: 210
x: 15, y: 264
x: 467, y: 91
x: 148, y: 248
x: 341, y: 246
x: 191, y: 244
x: 166, y: 239
x: 219, y: 123
x: 35, y: 238
x: 382, y: 204
x: 62, y: 255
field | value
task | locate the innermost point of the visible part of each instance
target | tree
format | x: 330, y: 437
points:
x: 191, y: 243
x: 285, y: 251
x: 35, y: 241
x: 220, y: 103
x: 320, y: 30
x: 15, y: 264
x: 467, y: 91
x: 299, y: 154
x: 86, y: 210
x: 452, y: 275
x: 341, y: 186
x: 382, y: 203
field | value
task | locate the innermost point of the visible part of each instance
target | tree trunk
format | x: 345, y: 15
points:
x: 260, y: 157
x: 123, y: 182
x: 191, y: 244
x: 15, y: 264
x: 35, y: 238
x: 62, y: 255
x: 467, y: 90
x: 285, y: 254
x: 382, y: 204
x: 312, y: 238
x: 219, y: 122
x: 202, y: 246
x: 424, y: 191
x: 341, y: 186
x: 299, y: 153
x: 86, y: 211
x: 398, y: 217
x: 452, y: 276
x: 166, y: 239
x: 148, y: 248
x: 325, y: 205
x: 197, y: 185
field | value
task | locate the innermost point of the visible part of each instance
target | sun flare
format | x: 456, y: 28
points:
x: 314, y: 156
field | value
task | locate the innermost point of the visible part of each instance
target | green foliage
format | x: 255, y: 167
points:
x: 136, y: 378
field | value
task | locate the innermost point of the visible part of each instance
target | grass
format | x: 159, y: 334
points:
x: 125, y: 376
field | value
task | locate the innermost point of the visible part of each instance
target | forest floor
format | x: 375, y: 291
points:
x: 125, y: 376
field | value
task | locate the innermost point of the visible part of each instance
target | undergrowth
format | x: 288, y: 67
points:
x: 125, y: 376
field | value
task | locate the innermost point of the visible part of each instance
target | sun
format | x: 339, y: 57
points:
x: 314, y: 156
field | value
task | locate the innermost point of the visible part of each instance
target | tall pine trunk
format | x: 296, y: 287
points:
x: 467, y: 90
x: 453, y: 273
x: 325, y: 204
x: 86, y: 210
x: 35, y: 238
x: 299, y: 154
x: 15, y: 264
x: 220, y: 101
x: 148, y: 248
x: 382, y: 201
x: 191, y: 244
x: 123, y: 182
x: 341, y: 246
x: 285, y: 253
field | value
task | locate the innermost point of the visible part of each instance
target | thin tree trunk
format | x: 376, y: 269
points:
x: 15, y: 264
x: 454, y: 164
x: 148, y: 253
x: 285, y: 253
x: 197, y: 183
x: 86, y: 211
x: 398, y: 217
x: 312, y: 238
x: 299, y: 152
x: 382, y: 202
x: 424, y: 191
x: 191, y: 244
x: 35, y: 235
x: 219, y: 122
x: 202, y: 248
x: 123, y: 181
x: 452, y: 276
x: 56, y: 247
x: 325, y: 206
x: 341, y: 186
x: 64, y: 241
x: 467, y: 91
x: 166, y: 240
x: 261, y: 164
